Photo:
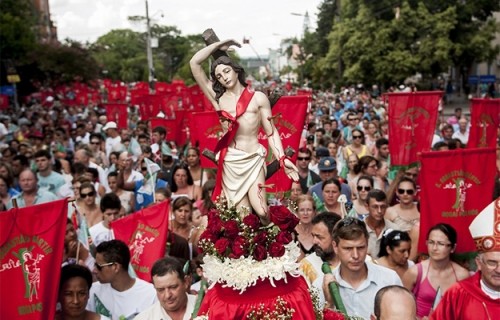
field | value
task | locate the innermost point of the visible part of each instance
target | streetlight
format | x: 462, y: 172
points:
x: 149, y: 51
x: 306, y: 23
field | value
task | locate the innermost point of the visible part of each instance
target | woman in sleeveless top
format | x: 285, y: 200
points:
x: 306, y: 212
x: 197, y: 172
x: 357, y: 146
x: 405, y: 214
x: 182, y: 184
x: 394, y: 251
x: 359, y: 206
x: 429, y: 279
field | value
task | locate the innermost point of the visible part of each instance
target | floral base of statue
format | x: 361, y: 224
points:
x: 253, y: 269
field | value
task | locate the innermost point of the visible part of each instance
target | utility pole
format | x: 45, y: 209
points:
x: 149, y: 51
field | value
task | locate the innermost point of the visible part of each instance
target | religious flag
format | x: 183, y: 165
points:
x: 4, y: 101
x: 455, y: 186
x: 485, y: 119
x: 145, y: 233
x: 149, y: 184
x: 205, y: 130
x: 31, y: 253
x: 412, y: 120
x: 117, y: 112
x: 289, y: 116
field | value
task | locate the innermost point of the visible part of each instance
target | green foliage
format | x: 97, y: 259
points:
x: 17, y: 37
x: 367, y: 43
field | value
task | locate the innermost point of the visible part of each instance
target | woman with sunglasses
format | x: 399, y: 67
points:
x: 431, y: 278
x: 360, y: 207
x: 366, y: 166
x: 405, y: 214
x: 394, y: 251
x: 357, y: 146
x: 182, y: 184
x: 88, y: 206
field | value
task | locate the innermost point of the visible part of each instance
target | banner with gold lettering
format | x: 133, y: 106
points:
x: 145, y: 233
x: 485, y: 119
x: 412, y: 120
x: 455, y: 186
x: 31, y: 252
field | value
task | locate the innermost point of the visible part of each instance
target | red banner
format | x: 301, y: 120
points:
x: 145, y: 233
x: 4, y: 101
x: 290, y: 114
x: 205, y: 131
x: 117, y: 112
x: 485, y: 119
x: 456, y: 186
x: 31, y: 252
x: 412, y: 120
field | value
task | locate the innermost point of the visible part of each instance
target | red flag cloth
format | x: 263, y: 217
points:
x: 290, y: 114
x: 412, y: 120
x: 162, y: 87
x: 205, y: 130
x: 117, y: 112
x: 455, y: 186
x: 304, y: 92
x: 174, y: 131
x: 485, y: 119
x: 31, y: 253
x: 145, y: 233
x: 4, y: 101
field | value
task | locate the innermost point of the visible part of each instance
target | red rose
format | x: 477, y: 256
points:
x: 231, y: 229
x: 259, y: 253
x: 252, y: 221
x: 283, y: 218
x: 215, y: 225
x: 260, y: 238
x: 239, y: 247
x: 332, y: 315
x: 276, y: 250
x: 284, y: 237
x: 222, y: 245
x: 208, y: 236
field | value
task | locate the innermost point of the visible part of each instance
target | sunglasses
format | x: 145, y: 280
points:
x: 85, y: 195
x: 352, y: 119
x: 357, y: 137
x: 144, y: 169
x: 366, y: 188
x: 303, y: 158
x: 409, y: 192
x: 348, y: 221
x: 100, y: 266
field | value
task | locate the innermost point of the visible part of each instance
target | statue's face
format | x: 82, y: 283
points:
x: 226, y: 75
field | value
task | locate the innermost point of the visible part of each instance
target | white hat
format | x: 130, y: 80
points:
x: 485, y: 228
x: 110, y: 125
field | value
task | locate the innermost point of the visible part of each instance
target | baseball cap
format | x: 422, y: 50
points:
x: 327, y: 164
x: 110, y: 125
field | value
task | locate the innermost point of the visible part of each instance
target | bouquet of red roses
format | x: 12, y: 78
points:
x: 233, y: 234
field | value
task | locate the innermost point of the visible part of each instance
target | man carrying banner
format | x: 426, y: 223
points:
x: 241, y: 172
x: 478, y: 297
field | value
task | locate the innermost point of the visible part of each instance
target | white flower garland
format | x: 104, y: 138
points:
x: 242, y: 273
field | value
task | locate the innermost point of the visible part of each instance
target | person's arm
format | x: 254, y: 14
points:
x: 199, y: 74
x: 273, y: 136
x: 120, y: 180
x: 410, y: 278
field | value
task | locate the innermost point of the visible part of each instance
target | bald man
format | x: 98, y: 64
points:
x: 394, y: 303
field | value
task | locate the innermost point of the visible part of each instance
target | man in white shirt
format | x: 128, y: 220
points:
x: 117, y: 295
x: 110, y: 207
x: 172, y: 287
x: 358, y: 280
x: 113, y: 137
x: 462, y: 133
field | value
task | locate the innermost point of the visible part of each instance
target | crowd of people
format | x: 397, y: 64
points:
x: 356, y: 212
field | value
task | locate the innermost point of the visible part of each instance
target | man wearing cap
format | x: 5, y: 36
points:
x: 113, y: 138
x: 327, y: 169
x: 478, y: 297
x: 321, y: 152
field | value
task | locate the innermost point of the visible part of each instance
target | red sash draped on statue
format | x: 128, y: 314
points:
x: 485, y: 119
x: 456, y: 186
x: 145, y: 233
x: 31, y: 252
x: 412, y: 119
x: 223, y: 144
x: 226, y: 303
